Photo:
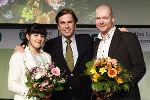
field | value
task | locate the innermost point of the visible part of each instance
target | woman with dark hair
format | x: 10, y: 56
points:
x: 33, y: 56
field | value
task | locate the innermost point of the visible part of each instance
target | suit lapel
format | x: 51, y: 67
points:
x: 114, y: 43
x: 81, y: 50
x: 29, y: 61
x: 95, y: 47
x: 58, y: 51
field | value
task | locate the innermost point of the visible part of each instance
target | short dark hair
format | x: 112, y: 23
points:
x: 34, y: 29
x: 66, y: 11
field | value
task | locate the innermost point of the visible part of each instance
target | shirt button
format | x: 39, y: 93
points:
x: 71, y: 74
x: 70, y: 88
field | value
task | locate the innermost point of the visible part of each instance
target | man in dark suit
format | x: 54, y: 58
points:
x: 78, y: 85
x: 123, y: 46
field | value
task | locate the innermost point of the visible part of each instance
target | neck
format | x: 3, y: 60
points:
x: 103, y: 36
x: 35, y: 51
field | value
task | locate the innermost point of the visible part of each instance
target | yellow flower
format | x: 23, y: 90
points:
x: 102, y: 70
x: 27, y: 13
x: 95, y: 77
x: 119, y: 80
x: 93, y: 71
x: 112, y: 73
x: 21, y: 21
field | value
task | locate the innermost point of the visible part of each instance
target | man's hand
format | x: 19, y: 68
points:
x: 19, y: 49
x: 101, y: 95
x: 123, y: 29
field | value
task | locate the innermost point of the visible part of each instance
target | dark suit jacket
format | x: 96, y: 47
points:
x: 78, y: 85
x: 126, y: 49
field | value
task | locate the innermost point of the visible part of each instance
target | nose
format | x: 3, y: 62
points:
x: 66, y: 25
x: 101, y: 21
x: 39, y: 37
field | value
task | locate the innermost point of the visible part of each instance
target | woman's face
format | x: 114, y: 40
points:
x: 35, y: 41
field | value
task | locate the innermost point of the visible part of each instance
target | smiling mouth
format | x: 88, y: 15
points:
x: 67, y: 31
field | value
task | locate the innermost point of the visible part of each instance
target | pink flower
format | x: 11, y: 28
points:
x: 44, y: 83
x: 56, y: 71
x: 114, y: 62
x: 35, y: 85
x: 41, y: 89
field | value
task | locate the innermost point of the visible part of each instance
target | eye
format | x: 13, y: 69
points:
x: 35, y: 34
x: 70, y: 22
x: 42, y: 36
x: 62, y: 22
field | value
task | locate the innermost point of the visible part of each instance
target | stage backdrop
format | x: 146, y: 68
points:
x: 133, y: 12
x: 9, y: 38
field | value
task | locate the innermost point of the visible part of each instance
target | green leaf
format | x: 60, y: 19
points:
x: 59, y: 88
x: 106, y: 87
x: 90, y: 63
x: 109, y: 83
x: 28, y: 84
x: 30, y: 95
x: 41, y: 94
x: 126, y: 87
x: 97, y: 86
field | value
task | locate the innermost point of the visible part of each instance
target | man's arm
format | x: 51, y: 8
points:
x: 136, y: 58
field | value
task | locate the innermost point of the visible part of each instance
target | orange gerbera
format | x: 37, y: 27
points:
x: 112, y: 73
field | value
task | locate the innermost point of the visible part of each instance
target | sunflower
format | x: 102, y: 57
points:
x: 43, y: 19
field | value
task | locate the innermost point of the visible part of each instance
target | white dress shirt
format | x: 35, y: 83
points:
x: 73, y: 47
x: 104, y: 45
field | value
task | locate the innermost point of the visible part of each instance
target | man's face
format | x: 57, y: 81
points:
x: 66, y: 25
x: 103, y: 20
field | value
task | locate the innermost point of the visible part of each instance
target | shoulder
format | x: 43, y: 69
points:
x: 84, y: 37
x: 53, y: 40
x: 129, y: 36
x: 17, y: 57
x: 126, y: 35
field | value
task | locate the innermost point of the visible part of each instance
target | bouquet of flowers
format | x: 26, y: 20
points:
x: 43, y: 80
x: 108, y: 76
